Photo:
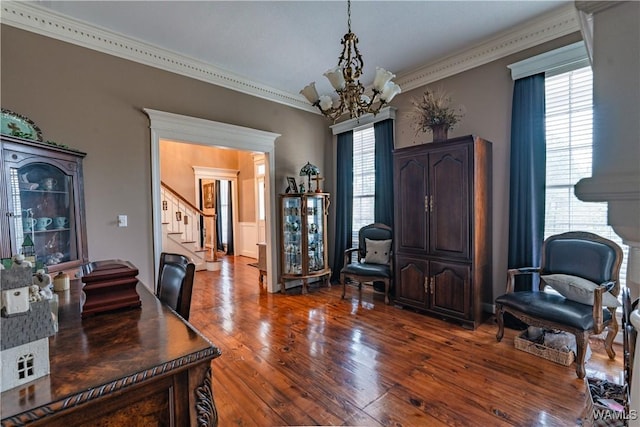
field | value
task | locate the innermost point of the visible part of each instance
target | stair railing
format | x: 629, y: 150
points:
x: 183, y: 217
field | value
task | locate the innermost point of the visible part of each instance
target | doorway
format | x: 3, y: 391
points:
x: 205, y: 132
x: 221, y: 187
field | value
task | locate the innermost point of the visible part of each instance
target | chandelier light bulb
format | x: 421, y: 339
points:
x: 325, y: 102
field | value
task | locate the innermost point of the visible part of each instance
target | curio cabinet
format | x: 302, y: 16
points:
x: 42, y: 204
x: 303, y: 222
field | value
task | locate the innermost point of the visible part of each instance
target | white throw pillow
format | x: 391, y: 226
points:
x: 578, y: 289
x: 377, y: 251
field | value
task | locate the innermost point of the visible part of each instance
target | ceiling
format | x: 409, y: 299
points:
x: 287, y: 44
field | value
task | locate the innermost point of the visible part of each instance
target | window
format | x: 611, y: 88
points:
x: 260, y: 178
x: 224, y: 210
x: 25, y: 366
x: 363, y: 180
x: 569, y: 135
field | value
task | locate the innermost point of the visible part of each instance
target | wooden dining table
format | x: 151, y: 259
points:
x: 144, y: 366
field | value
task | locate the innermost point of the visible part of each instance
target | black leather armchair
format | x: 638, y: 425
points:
x: 175, y: 282
x: 375, y: 261
x: 584, y: 268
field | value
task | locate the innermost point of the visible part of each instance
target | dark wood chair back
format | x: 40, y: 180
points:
x: 175, y: 282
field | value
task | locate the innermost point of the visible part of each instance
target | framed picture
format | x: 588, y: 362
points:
x: 293, y: 187
x: 207, y: 195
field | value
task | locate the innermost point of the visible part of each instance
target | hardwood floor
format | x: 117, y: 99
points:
x: 319, y: 360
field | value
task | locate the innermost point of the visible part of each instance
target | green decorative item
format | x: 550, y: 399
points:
x: 15, y: 124
x: 29, y: 250
x: 308, y: 170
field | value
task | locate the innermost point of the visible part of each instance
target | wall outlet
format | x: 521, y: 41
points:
x: 122, y: 220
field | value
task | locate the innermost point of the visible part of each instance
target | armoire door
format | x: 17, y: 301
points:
x: 450, y: 203
x: 411, y: 189
x: 412, y: 279
x: 450, y: 290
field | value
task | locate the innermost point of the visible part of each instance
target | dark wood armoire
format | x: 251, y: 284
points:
x: 442, y: 228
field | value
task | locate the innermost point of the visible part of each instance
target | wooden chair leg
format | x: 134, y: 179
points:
x: 386, y: 292
x: 500, y: 319
x: 343, y: 282
x: 582, y: 341
x: 611, y: 335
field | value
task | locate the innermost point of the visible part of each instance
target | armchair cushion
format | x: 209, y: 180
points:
x: 578, y: 289
x: 377, y: 251
x: 554, y: 308
x: 367, y: 270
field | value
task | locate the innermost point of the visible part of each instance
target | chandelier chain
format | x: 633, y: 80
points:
x: 349, y: 15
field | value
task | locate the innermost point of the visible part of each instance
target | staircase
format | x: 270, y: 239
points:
x: 184, y: 227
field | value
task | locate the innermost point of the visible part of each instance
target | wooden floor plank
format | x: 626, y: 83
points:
x: 318, y: 359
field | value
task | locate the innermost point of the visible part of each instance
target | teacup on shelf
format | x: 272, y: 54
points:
x: 60, y: 222
x: 42, y: 223
x: 28, y: 223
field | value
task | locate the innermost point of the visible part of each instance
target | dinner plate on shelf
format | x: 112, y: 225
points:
x: 15, y: 124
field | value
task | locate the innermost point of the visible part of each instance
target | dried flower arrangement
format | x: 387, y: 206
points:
x: 433, y: 112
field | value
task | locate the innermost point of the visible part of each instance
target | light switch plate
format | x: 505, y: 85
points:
x: 122, y: 220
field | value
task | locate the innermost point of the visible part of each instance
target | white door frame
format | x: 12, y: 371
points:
x: 259, y: 179
x: 177, y: 127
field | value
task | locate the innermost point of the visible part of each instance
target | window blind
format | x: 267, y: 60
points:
x: 569, y: 139
x: 363, y: 180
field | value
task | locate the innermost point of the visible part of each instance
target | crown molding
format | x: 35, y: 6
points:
x: 45, y: 22
x: 591, y: 6
x: 54, y: 25
x: 557, y: 23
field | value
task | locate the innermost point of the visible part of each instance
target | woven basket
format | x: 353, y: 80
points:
x: 562, y: 357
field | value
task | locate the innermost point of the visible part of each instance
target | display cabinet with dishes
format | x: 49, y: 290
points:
x: 42, y: 202
x: 303, y: 238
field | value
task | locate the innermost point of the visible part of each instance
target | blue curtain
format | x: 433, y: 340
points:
x: 229, y: 221
x: 219, y: 217
x: 527, y: 178
x: 383, y: 204
x: 343, y: 202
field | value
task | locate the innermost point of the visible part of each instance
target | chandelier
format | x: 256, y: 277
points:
x: 344, y: 79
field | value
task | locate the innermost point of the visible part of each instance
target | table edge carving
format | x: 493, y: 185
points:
x: 112, y: 387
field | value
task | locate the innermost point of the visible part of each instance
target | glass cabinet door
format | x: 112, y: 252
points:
x: 315, y: 233
x: 41, y: 203
x: 292, y: 235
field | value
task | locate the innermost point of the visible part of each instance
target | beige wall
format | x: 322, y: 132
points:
x: 93, y: 102
x: 177, y: 160
x: 246, y: 188
x: 486, y: 94
x: 176, y: 164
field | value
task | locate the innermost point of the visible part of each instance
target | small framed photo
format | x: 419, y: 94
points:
x: 293, y: 187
